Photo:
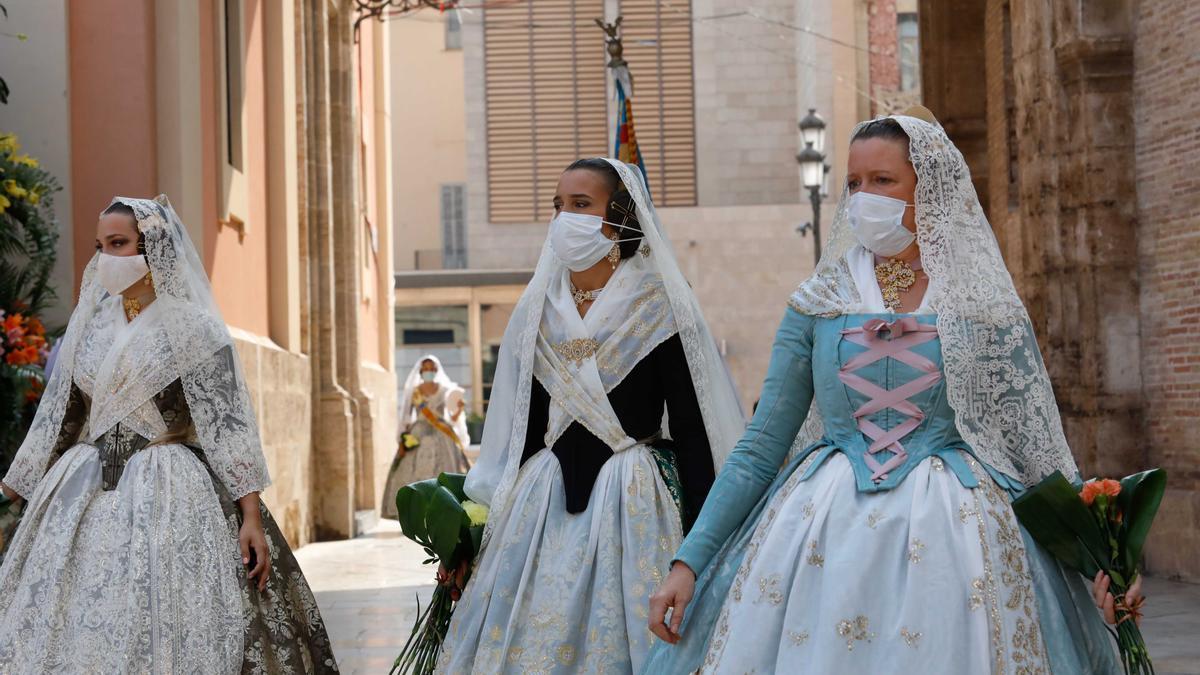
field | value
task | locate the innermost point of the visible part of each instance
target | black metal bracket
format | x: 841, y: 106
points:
x: 378, y: 9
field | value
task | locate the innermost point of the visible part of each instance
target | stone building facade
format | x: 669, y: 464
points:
x: 265, y: 122
x: 1078, y: 121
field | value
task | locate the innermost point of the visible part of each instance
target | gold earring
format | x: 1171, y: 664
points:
x: 614, y: 254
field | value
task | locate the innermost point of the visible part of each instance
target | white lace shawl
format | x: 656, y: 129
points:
x: 182, y: 338
x: 996, y: 382
x: 580, y: 360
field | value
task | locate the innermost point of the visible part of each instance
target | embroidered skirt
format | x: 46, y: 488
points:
x: 928, y: 577
x: 557, y: 592
x: 146, y: 577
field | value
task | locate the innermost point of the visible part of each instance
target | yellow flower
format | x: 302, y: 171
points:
x: 8, y: 144
x: 26, y: 160
x: 11, y: 187
x: 34, y: 197
x: 478, y: 513
x: 4, y: 203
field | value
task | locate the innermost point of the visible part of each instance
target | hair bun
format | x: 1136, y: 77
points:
x: 922, y: 113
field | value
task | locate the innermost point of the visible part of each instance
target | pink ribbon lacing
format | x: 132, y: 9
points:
x: 904, y: 334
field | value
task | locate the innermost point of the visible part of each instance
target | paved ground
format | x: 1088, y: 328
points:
x: 367, y: 589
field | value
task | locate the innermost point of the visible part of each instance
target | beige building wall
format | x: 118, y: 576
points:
x: 755, y: 79
x: 428, y: 123
x: 38, y: 112
x: 743, y: 262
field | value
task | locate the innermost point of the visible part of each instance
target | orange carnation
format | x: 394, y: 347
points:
x: 1095, y: 488
x: 14, y: 322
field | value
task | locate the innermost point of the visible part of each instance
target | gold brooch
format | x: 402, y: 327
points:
x: 577, y: 350
x: 894, y: 277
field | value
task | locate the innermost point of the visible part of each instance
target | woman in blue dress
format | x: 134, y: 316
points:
x: 907, y: 403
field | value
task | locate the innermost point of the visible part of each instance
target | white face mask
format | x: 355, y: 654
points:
x: 578, y: 240
x: 118, y: 272
x: 429, y: 375
x: 878, y: 223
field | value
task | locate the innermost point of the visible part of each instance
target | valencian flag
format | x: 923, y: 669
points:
x: 626, y: 148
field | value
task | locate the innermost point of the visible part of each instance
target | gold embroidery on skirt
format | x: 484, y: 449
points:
x: 856, y: 630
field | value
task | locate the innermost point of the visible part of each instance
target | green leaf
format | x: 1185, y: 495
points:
x: 1057, y: 518
x: 1035, y: 513
x: 412, y: 503
x: 443, y: 518
x: 454, y: 483
x: 1139, y: 500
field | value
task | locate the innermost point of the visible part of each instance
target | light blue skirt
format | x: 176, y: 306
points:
x: 931, y: 576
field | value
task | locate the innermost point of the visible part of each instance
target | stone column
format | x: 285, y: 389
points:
x: 952, y: 82
x: 333, y: 416
x: 1064, y: 212
x: 1074, y: 111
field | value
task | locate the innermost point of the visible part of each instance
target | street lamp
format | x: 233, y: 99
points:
x: 812, y: 173
x: 812, y: 130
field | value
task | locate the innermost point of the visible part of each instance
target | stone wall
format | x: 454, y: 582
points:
x: 1081, y: 139
x: 280, y: 389
x: 746, y: 106
x: 743, y: 262
x: 1166, y: 88
x: 382, y: 412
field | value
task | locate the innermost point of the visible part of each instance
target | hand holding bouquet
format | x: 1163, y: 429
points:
x: 436, y: 514
x: 1099, y: 531
x: 408, y: 443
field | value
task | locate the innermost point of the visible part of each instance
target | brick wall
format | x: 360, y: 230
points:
x: 1167, y: 95
x: 881, y: 36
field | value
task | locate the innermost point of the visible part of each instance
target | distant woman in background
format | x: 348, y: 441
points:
x: 432, y: 413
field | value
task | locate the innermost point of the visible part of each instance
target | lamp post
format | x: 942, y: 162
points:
x: 812, y: 173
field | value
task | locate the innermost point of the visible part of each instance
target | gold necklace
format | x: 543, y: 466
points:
x: 581, y: 297
x: 133, y: 307
x: 895, y: 276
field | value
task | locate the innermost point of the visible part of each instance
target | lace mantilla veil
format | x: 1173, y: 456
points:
x: 491, y: 480
x: 995, y: 379
x: 191, y: 343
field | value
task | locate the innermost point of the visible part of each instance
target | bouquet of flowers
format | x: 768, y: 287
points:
x: 28, y: 239
x: 436, y: 514
x: 408, y: 443
x: 1099, y: 527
